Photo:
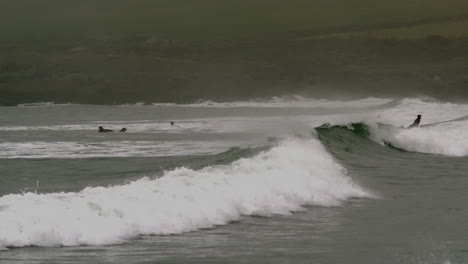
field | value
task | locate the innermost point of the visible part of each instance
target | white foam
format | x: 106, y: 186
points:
x: 449, y: 139
x: 291, y: 101
x: 277, y: 181
x: 442, y: 129
x: 73, y: 150
x: 42, y: 104
x: 404, y: 113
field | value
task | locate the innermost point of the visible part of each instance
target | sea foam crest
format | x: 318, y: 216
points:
x: 281, y: 180
x: 42, y: 104
x: 448, y: 138
x: 290, y: 101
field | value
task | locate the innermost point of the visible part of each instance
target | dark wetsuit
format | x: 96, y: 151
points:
x: 416, y: 122
x: 101, y: 129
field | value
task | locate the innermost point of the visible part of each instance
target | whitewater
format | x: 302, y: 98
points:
x: 280, y: 179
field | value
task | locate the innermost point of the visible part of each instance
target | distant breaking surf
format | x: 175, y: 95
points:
x: 287, y: 101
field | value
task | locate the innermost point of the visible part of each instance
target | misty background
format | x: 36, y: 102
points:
x: 120, y: 51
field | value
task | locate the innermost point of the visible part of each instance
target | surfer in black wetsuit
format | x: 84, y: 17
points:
x: 123, y: 130
x: 416, y: 122
x: 101, y: 129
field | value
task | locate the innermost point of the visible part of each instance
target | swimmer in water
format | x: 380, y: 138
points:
x: 101, y: 129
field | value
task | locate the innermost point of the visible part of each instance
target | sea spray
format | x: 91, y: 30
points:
x: 448, y: 138
x: 281, y: 180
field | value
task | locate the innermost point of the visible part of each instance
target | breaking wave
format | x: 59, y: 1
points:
x: 446, y: 138
x: 281, y: 180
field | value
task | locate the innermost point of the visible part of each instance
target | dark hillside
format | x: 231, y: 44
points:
x: 106, y: 52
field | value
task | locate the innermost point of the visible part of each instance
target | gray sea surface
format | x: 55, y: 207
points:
x: 305, y: 181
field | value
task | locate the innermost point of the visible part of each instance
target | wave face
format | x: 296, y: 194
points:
x: 448, y: 139
x: 280, y: 180
x: 442, y: 130
x: 444, y: 138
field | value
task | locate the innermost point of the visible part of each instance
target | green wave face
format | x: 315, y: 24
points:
x: 381, y: 143
x: 353, y: 143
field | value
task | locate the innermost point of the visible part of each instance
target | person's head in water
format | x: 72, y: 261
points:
x: 172, y: 123
x: 101, y: 129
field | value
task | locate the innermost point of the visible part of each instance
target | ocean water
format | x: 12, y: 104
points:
x: 286, y: 180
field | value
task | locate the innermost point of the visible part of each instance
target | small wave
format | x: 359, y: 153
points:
x: 164, y: 104
x: 76, y: 150
x: 42, y: 104
x: 135, y: 104
x: 276, y: 181
x: 290, y: 101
